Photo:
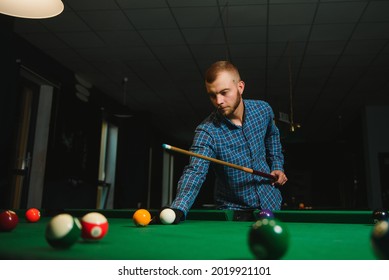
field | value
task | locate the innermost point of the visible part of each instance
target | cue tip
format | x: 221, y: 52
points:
x: 166, y: 146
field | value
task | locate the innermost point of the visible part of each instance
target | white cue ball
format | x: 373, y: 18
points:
x: 167, y: 216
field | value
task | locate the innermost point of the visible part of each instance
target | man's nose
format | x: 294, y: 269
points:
x: 219, y: 99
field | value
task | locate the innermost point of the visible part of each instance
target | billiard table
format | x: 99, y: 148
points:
x: 205, y: 235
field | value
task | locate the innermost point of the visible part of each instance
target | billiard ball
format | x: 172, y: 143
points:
x: 380, y: 239
x: 8, y: 220
x: 380, y: 215
x: 268, y: 239
x: 94, y: 226
x: 141, y: 217
x: 33, y: 215
x: 14, y: 215
x: 63, y: 231
x: 167, y: 216
x: 265, y: 214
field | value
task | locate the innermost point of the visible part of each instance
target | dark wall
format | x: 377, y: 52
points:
x: 73, y: 152
x: 135, y: 139
x: 327, y: 175
x: 75, y: 132
x: 375, y: 123
x: 8, y: 70
x: 73, y: 146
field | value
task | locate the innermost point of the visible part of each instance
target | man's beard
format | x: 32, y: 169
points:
x: 229, y: 110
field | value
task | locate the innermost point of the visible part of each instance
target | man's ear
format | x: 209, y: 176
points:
x: 241, y: 85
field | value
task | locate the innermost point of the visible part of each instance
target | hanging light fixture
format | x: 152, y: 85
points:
x: 33, y: 9
x: 295, y: 134
x: 293, y: 125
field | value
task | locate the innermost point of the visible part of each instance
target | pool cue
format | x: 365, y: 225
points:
x: 218, y: 161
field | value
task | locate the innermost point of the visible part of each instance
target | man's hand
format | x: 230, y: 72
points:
x: 281, y: 177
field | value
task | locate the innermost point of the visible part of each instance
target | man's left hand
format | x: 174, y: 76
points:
x: 281, y: 177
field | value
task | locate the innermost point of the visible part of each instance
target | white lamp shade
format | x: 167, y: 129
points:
x: 34, y: 9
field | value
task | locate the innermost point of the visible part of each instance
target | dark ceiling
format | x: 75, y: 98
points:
x: 330, y: 56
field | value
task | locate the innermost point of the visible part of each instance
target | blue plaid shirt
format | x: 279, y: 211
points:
x: 255, y: 144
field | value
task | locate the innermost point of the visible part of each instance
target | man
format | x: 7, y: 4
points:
x: 240, y: 132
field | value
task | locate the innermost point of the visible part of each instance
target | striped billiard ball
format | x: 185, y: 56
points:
x: 63, y: 231
x: 94, y: 226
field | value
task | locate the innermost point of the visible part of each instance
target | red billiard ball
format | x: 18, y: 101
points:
x: 141, y: 217
x: 94, y: 226
x: 8, y: 220
x: 33, y: 215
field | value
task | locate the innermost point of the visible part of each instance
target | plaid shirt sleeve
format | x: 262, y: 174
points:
x: 273, y: 146
x: 195, y: 172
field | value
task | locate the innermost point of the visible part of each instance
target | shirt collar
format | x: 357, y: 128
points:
x: 222, y: 119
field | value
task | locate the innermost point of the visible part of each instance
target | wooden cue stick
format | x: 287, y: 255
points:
x: 218, y: 161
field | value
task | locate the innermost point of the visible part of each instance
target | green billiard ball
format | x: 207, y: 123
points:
x: 268, y: 239
x: 63, y: 231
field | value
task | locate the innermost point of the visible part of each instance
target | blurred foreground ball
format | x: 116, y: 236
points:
x: 380, y: 240
x: 268, y: 239
x: 63, y: 231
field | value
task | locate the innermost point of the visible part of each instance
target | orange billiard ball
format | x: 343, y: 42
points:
x: 33, y: 215
x: 141, y: 217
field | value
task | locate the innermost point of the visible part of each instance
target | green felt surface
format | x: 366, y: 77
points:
x: 195, y: 239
